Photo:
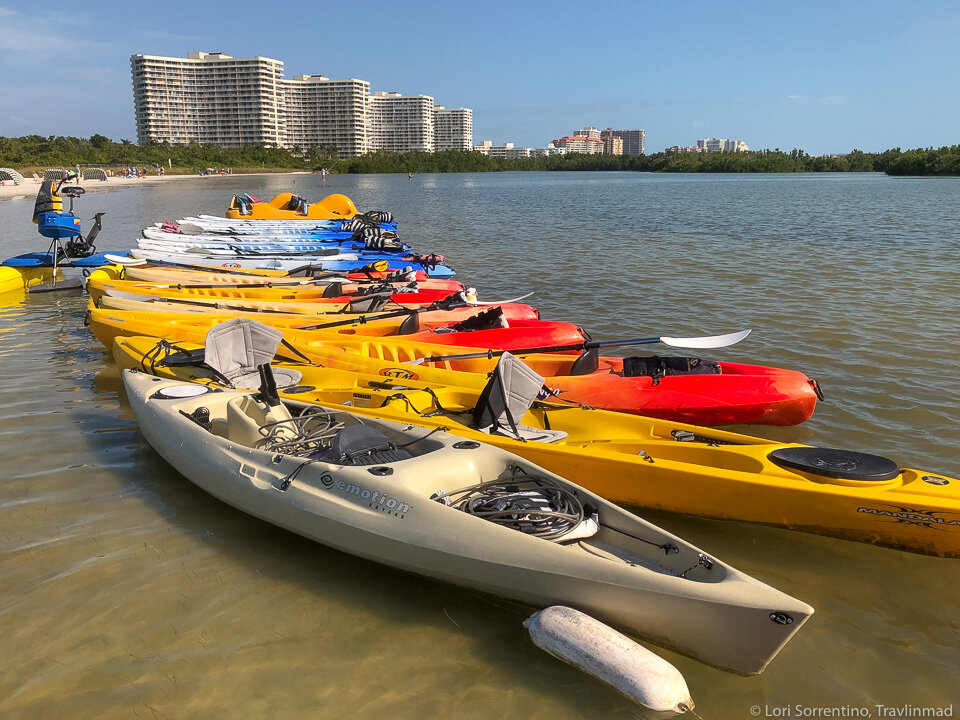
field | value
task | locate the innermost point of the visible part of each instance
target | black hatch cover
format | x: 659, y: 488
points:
x: 834, y: 463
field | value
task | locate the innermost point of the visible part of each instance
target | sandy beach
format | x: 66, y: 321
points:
x: 29, y: 188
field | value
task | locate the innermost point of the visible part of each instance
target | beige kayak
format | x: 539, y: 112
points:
x: 464, y: 512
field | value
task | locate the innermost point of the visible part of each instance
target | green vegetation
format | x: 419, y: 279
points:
x: 33, y: 152
x: 745, y: 162
x: 943, y: 161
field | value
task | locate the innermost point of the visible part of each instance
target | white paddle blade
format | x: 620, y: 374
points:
x: 123, y: 260
x: 710, y: 341
x: 498, y: 302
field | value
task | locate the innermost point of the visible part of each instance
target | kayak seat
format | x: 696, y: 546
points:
x: 510, y: 392
x: 237, y: 347
x: 657, y: 367
x: 492, y: 319
x: 410, y: 325
x: 364, y: 445
x: 587, y: 363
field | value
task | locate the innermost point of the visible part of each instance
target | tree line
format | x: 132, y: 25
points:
x: 930, y: 161
x: 35, y: 151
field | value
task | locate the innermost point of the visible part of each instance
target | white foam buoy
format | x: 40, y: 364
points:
x: 601, y: 651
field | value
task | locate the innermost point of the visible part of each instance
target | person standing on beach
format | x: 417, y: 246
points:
x: 77, y: 166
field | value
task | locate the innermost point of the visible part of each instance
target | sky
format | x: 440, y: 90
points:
x: 825, y: 77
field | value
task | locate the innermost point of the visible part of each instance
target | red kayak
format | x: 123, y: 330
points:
x: 738, y: 393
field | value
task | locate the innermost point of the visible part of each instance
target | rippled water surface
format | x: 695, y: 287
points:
x: 127, y: 593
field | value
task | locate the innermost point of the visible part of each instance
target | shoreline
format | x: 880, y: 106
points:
x: 30, y: 187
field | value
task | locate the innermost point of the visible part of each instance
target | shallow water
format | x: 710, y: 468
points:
x: 126, y: 592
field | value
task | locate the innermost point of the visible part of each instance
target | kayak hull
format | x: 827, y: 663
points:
x: 708, y: 610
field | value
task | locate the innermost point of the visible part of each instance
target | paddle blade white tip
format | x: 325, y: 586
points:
x: 712, y: 341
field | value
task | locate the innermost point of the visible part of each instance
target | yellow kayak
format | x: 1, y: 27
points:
x: 642, y: 461
x: 288, y: 206
x: 430, y: 327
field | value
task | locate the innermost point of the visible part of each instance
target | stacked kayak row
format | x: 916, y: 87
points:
x: 399, y: 417
x: 340, y: 244
x: 706, y: 392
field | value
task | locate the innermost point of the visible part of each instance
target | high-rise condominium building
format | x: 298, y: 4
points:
x: 321, y: 112
x: 208, y: 98
x: 452, y: 128
x: 632, y: 139
x: 401, y: 123
x: 221, y: 100
x: 612, y: 145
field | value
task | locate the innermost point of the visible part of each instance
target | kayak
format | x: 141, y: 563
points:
x: 737, y: 394
x: 287, y: 206
x: 107, y: 324
x: 646, y: 462
x: 415, y: 501
x: 512, y: 312
x: 273, y: 290
x: 298, y: 228
x: 230, y: 258
x: 201, y: 237
x: 196, y: 243
x: 369, y: 272
x: 223, y: 277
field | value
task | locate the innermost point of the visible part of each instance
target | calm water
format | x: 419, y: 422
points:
x: 127, y: 593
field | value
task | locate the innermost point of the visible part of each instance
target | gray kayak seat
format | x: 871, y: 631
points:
x: 236, y: 347
x: 505, y: 399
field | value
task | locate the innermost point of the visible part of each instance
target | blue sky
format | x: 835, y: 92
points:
x: 822, y: 76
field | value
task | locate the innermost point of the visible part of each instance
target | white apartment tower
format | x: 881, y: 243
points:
x: 208, y: 98
x: 452, y: 128
x: 217, y: 99
x: 400, y: 123
x: 326, y: 113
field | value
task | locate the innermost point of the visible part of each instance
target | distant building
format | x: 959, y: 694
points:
x: 587, y: 132
x: 326, y: 113
x: 216, y: 99
x: 633, y: 140
x: 550, y: 149
x: 507, y: 150
x: 716, y: 145
x: 580, y: 144
x: 452, y: 128
x: 681, y: 149
x: 401, y: 123
x: 209, y: 98
x: 612, y: 145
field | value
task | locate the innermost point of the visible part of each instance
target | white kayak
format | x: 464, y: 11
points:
x: 231, y: 259
x: 463, y: 512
